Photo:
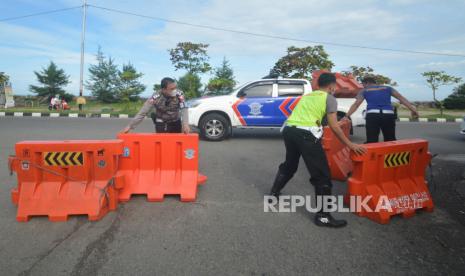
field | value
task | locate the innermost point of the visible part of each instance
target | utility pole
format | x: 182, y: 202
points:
x: 83, y: 37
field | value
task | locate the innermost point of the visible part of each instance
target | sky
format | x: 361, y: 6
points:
x: 29, y: 44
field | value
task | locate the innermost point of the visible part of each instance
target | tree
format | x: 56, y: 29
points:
x: 301, y: 62
x: 52, y: 80
x: 435, y: 79
x: 3, y: 78
x: 104, y: 79
x: 360, y: 72
x: 457, y: 99
x: 223, y: 81
x: 190, y: 84
x: 190, y: 56
x: 129, y: 86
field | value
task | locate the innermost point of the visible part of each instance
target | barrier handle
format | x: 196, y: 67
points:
x: 111, y: 182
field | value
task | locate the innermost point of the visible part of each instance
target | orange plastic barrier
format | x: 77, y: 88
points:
x: 160, y: 164
x: 346, y: 85
x: 338, y: 154
x: 396, y: 171
x: 62, y: 178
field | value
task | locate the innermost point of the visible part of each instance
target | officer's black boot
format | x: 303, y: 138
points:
x: 325, y: 218
x: 279, y: 182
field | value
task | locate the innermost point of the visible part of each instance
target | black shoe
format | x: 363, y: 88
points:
x: 275, y: 195
x: 325, y: 219
x: 279, y: 182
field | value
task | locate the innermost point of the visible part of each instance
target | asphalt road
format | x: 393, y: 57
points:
x: 226, y: 231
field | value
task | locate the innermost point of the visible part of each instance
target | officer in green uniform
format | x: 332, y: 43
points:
x: 302, y: 137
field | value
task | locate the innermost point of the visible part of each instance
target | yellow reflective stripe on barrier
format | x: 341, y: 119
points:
x: 60, y: 160
x: 396, y: 159
x: 63, y: 158
x: 48, y: 159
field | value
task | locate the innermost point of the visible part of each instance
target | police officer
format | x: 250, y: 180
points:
x: 302, y: 137
x: 380, y: 114
x: 171, y: 114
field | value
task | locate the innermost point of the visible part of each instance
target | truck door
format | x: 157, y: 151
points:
x: 255, y: 105
x: 289, y: 94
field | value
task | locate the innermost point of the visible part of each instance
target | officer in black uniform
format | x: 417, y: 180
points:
x: 170, y: 110
x: 302, y: 137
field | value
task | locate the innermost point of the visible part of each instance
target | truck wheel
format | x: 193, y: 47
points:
x: 214, y: 127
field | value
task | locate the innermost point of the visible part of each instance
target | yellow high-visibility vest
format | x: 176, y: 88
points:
x: 310, y: 110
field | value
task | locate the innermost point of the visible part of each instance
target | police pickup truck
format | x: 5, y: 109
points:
x: 264, y: 103
x: 462, y: 127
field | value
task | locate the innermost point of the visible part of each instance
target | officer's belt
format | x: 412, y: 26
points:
x: 317, y: 135
x: 302, y: 127
x: 380, y: 111
x: 163, y: 122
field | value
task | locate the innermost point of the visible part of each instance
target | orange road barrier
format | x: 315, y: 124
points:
x: 62, y: 178
x: 346, y: 85
x: 338, y: 154
x: 160, y: 164
x: 393, y: 175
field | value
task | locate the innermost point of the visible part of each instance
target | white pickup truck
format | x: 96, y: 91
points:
x: 462, y: 127
x: 264, y: 103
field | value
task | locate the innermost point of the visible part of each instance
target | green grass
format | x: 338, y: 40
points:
x: 90, y: 107
x: 133, y: 108
x: 432, y: 113
x: 435, y: 116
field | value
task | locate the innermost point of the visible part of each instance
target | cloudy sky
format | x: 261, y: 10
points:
x: 422, y: 25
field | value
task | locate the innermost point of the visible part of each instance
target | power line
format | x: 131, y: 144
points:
x: 236, y: 31
x: 275, y: 36
x: 39, y: 13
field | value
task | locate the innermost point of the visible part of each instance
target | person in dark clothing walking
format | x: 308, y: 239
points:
x: 302, y: 137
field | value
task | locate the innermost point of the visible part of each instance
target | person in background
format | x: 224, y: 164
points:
x: 380, y: 115
x: 80, y: 101
x: 54, y: 103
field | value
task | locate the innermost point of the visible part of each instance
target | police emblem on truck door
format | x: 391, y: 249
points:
x: 255, y: 109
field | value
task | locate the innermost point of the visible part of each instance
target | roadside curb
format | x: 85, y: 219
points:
x: 126, y: 116
x: 69, y: 115
x: 430, y: 120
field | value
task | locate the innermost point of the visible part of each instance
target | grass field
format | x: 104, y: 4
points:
x: 432, y: 113
x: 90, y: 107
x: 133, y: 108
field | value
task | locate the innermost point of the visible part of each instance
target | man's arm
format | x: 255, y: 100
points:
x: 405, y: 102
x: 354, y: 107
x: 184, y: 112
x: 333, y: 124
x: 358, y: 101
x: 185, y: 120
x: 146, y: 108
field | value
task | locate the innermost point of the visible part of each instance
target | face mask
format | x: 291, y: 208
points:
x: 170, y: 93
